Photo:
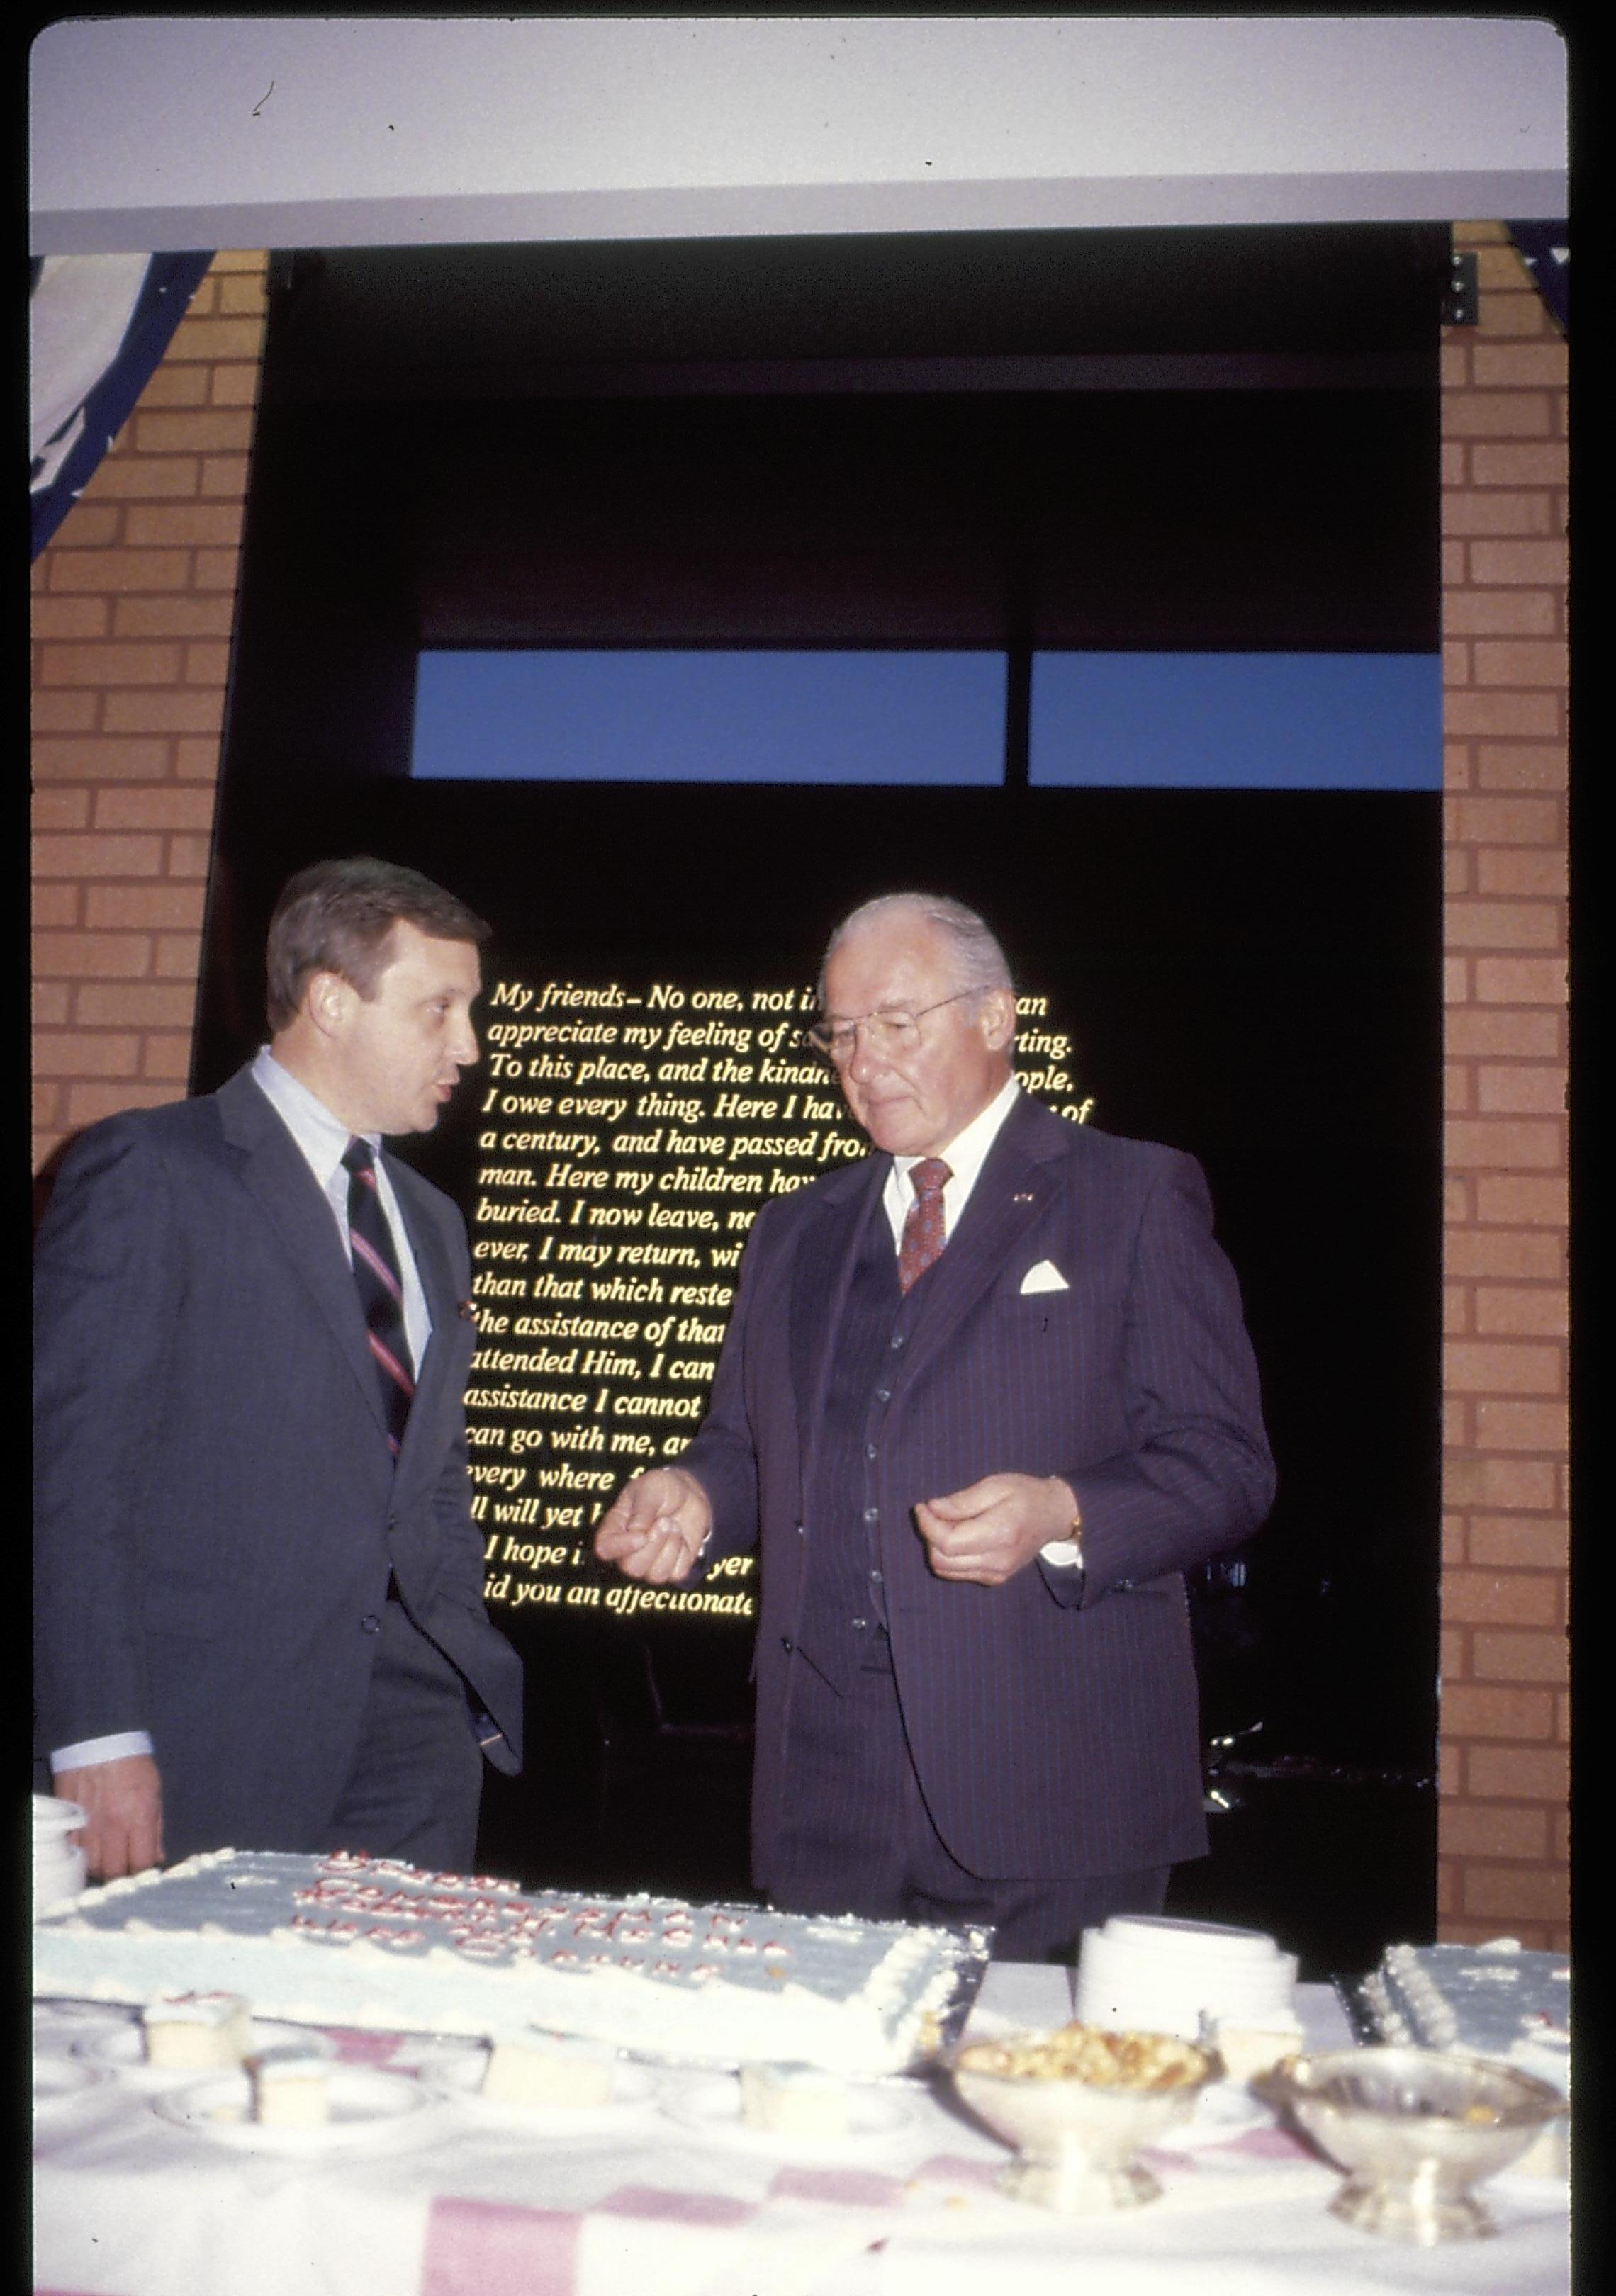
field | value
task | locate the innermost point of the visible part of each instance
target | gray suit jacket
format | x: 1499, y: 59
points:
x: 1051, y: 1739
x: 216, y: 1509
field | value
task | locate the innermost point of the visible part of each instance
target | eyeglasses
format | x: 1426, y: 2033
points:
x: 893, y: 1031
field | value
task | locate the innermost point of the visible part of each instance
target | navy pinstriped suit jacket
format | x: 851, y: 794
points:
x: 1052, y: 1741
x: 215, y: 1508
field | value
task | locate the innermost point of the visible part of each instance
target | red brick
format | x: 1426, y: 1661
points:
x: 88, y: 1102
x: 75, y: 1052
x: 196, y: 760
x: 1492, y: 1830
x: 97, y: 857
x: 152, y: 905
x: 176, y: 386
x: 136, y: 1004
x: 48, y: 1005
x: 1523, y: 1090
x: 99, y: 758
x: 1521, y: 1202
x: 215, y: 570
x: 1453, y: 367
x: 167, y: 1056
x: 167, y: 807
x: 68, y: 618
x: 1458, y: 869
x: 226, y: 476
x: 199, y: 523
x: 1455, y: 463
x: 166, y: 477
x: 1484, y: 1142
x: 236, y: 386
x: 1533, y: 365
x: 207, y: 663
x: 1519, y: 1657
x: 239, y: 338
x: 1475, y: 923
x: 188, y: 857
x: 1506, y: 1426
x: 122, y: 570
x: 243, y: 294
x: 87, y: 526
x: 109, y: 663
x: 1512, y: 1542
x: 1495, y: 414
x: 175, y: 617
x: 178, y: 956
x: 1456, y: 663
x: 88, y: 955
x: 68, y: 709
x: 1523, y: 869
x: 1520, y: 661
x: 214, y: 431
x: 1458, y: 1097
x: 1522, y: 765
x: 1499, y: 1032
x: 1521, y: 1253
x: 60, y: 808
x: 1499, y: 269
x: 1522, y: 1310
x: 1517, y: 1598
x: 1456, y: 1309
x: 1466, y: 512
x: 1520, y: 980
x: 53, y: 904
x: 1495, y: 464
x: 1456, y: 1207
x: 1492, y: 613
x: 1473, y: 1483
x: 1470, y: 1710
x: 175, y: 709
x: 1489, y: 711
x: 1516, y: 1893
x: 1543, y: 562
x: 1519, y: 1773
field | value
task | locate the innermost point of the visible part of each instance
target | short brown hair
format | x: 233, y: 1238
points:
x: 336, y: 918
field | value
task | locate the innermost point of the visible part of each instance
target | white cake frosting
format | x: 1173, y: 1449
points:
x: 1492, y: 2000
x: 350, y: 1940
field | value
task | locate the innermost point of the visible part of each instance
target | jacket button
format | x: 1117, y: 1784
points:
x: 787, y: 1643
x: 371, y: 1623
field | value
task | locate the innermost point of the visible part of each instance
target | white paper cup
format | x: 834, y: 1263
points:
x: 58, y: 1863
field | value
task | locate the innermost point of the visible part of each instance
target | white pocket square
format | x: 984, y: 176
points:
x: 1044, y: 1277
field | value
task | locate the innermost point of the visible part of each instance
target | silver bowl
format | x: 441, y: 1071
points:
x: 1414, y: 2128
x: 1075, y: 2139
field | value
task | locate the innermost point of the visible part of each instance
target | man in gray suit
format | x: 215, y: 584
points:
x: 984, y: 1398
x: 258, y: 1589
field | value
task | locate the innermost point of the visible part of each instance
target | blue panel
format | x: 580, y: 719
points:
x: 565, y: 714
x: 1237, y: 721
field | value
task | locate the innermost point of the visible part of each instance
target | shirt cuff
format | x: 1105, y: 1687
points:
x: 89, y: 1751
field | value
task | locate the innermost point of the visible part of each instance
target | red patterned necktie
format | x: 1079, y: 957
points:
x: 923, y: 1235
x: 381, y: 1288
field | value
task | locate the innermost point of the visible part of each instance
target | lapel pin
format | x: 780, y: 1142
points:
x: 468, y: 1312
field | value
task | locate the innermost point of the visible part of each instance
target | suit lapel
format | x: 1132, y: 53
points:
x: 275, y: 1174
x: 822, y: 1270
x: 1019, y: 1181
x: 438, y: 1283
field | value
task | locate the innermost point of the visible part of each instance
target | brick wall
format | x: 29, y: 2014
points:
x: 134, y: 608
x: 133, y: 604
x: 1503, y: 1851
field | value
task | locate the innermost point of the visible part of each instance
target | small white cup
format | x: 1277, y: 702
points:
x: 58, y: 1863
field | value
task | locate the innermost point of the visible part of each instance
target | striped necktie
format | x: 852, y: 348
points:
x: 923, y: 1235
x: 381, y: 1288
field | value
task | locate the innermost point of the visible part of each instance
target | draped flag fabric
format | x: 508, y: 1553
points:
x: 1544, y: 248
x: 98, y: 324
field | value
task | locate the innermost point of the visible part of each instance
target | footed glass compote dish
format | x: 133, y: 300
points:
x: 1077, y: 2104
x: 1415, y: 2130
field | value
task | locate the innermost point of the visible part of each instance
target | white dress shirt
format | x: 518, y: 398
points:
x: 965, y: 1156
x: 324, y: 1141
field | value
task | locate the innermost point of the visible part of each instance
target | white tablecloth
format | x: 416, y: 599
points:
x: 455, y: 2201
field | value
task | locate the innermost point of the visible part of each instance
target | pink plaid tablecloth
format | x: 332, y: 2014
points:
x: 639, y: 2202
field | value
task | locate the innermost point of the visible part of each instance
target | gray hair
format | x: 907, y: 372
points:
x: 979, y: 962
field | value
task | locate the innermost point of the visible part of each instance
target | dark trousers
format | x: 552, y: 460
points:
x: 861, y: 1839
x: 416, y: 1779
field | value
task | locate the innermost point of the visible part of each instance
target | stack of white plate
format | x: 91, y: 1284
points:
x: 1145, y: 1973
x: 58, y: 1867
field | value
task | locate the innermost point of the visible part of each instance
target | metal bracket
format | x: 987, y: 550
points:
x: 1462, y: 302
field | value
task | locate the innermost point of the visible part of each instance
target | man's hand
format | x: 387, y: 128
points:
x: 986, y: 1533
x: 122, y: 1802
x: 655, y: 1527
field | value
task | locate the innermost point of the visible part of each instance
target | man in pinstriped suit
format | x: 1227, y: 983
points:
x: 984, y: 1398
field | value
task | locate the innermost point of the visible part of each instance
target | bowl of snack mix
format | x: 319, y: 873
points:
x: 1076, y: 2103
